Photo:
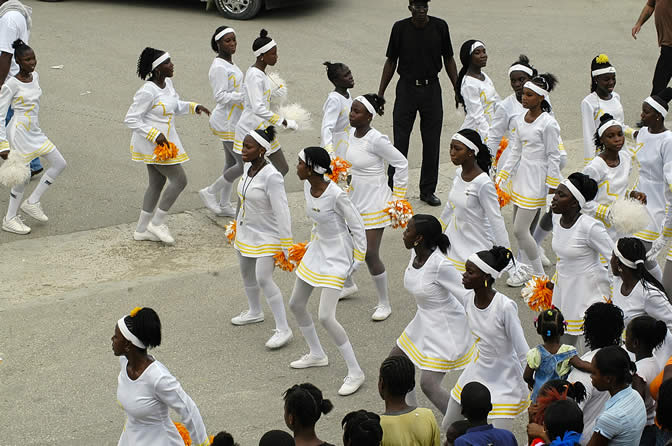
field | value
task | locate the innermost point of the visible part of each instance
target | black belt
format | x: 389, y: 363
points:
x: 420, y: 82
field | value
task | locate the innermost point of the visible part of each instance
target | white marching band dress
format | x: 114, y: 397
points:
x: 226, y: 80
x: 480, y: 102
x: 335, y: 130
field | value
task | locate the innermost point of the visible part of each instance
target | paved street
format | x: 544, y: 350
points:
x: 66, y: 284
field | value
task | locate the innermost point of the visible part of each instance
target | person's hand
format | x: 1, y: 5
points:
x: 382, y: 106
x: 634, y: 135
x: 291, y: 124
x: 640, y: 196
x: 551, y: 190
x: 161, y: 140
x: 635, y: 30
x: 4, y: 154
x: 201, y: 109
x: 550, y: 285
x: 535, y: 430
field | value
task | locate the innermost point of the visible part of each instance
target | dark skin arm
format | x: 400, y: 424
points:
x: 528, y: 376
x: 388, y: 72
x: 580, y: 364
x: 640, y: 386
x: 451, y: 70
x: 598, y: 440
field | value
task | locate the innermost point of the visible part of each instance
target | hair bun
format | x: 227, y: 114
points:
x: 263, y: 33
x: 18, y: 43
x: 605, y: 117
x: 326, y: 406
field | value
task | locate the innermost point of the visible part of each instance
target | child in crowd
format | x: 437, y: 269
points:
x: 276, y: 438
x: 552, y: 391
x: 361, y: 428
x: 563, y: 423
x: 223, y: 439
x: 304, y: 404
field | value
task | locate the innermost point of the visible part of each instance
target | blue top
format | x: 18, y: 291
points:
x: 623, y: 418
x: 487, y: 435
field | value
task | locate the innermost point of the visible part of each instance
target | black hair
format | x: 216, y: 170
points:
x: 223, y: 439
x: 333, y: 69
x: 664, y: 405
x: 147, y: 57
x: 260, y: 41
x: 550, y: 324
x: 465, y: 59
x: 377, y: 102
x: 276, y: 438
x: 615, y: 361
x: 547, y: 81
x: 317, y: 156
x: 596, y: 137
x: 595, y: 65
x: 483, y: 157
x: 432, y: 233
x: 525, y: 61
x: 268, y: 133
x: 648, y: 331
x: 663, y: 97
x: 398, y: 375
x: 418, y: 1
x: 476, y: 402
x: 575, y: 390
x: 213, y: 42
x: 306, y: 403
x: 20, y: 48
x: 563, y: 416
x: 497, y: 257
x: 633, y: 249
x: 146, y: 326
x: 586, y: 185
x: 602, y: 325
x: 362, y: 428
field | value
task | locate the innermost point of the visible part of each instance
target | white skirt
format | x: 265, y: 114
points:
x: 370, y: 195
x: 30, y: 143
x: 327, y: 261
x: 528, y: 186
x: 142, y: 149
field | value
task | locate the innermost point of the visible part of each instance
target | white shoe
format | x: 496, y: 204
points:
x: 545, y: 261
x: 246, y: 318
x: 348, y: 291
x: 162, y: 232
x: 225, y: 211
x: 307, y: 361
x: 34, y: 210
x: 520, y: 277
x: 210, y: 200
x: 351, y: 384
x: 382, y: 312
x: 145, y: 236
x: 15, y: 225
x: 279, y: 339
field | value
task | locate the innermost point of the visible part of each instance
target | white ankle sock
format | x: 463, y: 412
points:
x: 349, y: 355
x: 310, y: 334
x: 381, y: 286
x: 41, y: 188
x: 145, y: 218
x: 159, y: 217
x: 279, y: 313
x: 254, y: 299
x: 14, y: 203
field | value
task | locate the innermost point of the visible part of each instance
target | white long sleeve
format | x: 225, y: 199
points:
x: 331, y: 111
x: 497, y: 130
x: 553, y: 154
x: 169, y: 391
x: 223, y: 88
x: 347, y: 210
x: 515, y: 331
x: 475, y: 111
x: 658, y: 306
x: 511, y: 163
x: 134, y: 120
x: 588, y: 126
x: 487, y: 195
x: 451, y: 280
x: 600, y: 241
x: 446, y: 215
x: 278, y: 198
x: 256, y: 95
x: 6, y: 95
x: 385, y: 149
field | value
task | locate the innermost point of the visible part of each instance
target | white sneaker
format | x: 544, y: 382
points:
x: 246, y: 318
x: 382, y: 312
x: 351, y: 384
x: 519, y: 277
x: 225, y: 211
x: 145, y: 236
x: 307, y: 361
x: 545, y: 261
x: 162, y: 232
x: 210, y: 200
x: 15, y: 225
x: 279, y: 339
x: 348, y: 291
x: 34, y: 210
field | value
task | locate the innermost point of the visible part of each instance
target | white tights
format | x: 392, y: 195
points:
x: 454, y: 413
x: 522, y: 219
x: 258, y: 276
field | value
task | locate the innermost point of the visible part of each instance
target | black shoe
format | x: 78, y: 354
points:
x: 34, y: 173
x: 431, y: 199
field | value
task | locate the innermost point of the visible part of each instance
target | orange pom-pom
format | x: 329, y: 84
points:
x: 184, y: 433
x: 296, y: 252
x: 340, y: 169
x: 283, y: 263
x: 165, y: 152
x: 400, y: 212
x: 537, y: 295
x: 230, y: 231
x: 211, y: 438
x: 502, y: 197
x: 503, y: 144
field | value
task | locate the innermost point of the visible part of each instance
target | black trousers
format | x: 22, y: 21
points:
x: 663, y: 73
x: 408, y: 102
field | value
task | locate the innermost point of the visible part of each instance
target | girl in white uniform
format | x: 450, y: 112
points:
x: 368, y: 152
x: 578, y: 242
x: 534, y: 168
x: 336, y: 110
x: 438, y: 338
x: 602, y: 99
x: 472, y: 219
x: 23, y: 135
x: 502, y: 349
x: 337, y: 248
x: 226, y: 80
x: 150, y: 117
x: 477, y: 93
x: 258, y: 90
x: 147, y: 391
x: 263, y: 228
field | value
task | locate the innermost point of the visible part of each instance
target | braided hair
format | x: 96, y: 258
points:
x: 306, y: 403
x: 333, y: 69
x: 465, y: 59
x: 147, y: 57
x: 377, y: 102
x: 432, y: 233
x: 633, y: 249
x: 146, y: 326
x: 398, y: 375
x: 550, y: 324
x: 483, y: 157
x: 602, y: 325
x: 268, y: 133
x: 362, y: 428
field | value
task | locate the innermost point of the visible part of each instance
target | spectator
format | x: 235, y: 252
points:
x: 664, y: 409
x: 304, y: 404
x: 416, y: 48
x: 564, y: 423
x: 276, y: 438
x: 552, y: 391
x: 224, y: 439
x: 361, y: 428
x: 663, y: 20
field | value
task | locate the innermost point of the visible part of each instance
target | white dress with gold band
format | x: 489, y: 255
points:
x: 480, y: 102
x: 336, y: 124
x: 226, y: 80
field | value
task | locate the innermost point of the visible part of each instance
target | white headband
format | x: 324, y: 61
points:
x: 260, y: 139
x: 159, y: 60
x: 523, y: 68
x: 653, y: 103
x: 601, y: 129
x: 464, y: 140
x: 487, y: 269
x: 365, y: 102
x: 317, y: 169
x: 536, y: 88
x: 224, y: 32
x: 575, y: 192
x: 626, y: 262
x: 476, y: 45
x: 603, y: 71
x: 126, y: 333
x: 265, y: 48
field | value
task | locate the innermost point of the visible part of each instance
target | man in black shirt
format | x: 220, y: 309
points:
x: 418, y: 46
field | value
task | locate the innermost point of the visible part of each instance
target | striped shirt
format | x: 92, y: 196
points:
x: 623, y: 419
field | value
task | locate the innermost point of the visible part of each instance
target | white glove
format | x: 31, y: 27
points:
x: 291, y: 124
x: 354, y: 267
x: 285, y: 251
x: 658, y: 245
x: 237, y: 96
x: 279, y: 92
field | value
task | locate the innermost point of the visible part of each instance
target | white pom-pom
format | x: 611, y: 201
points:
x: 629, y: 216
x: 14, y: 171
x: 278, y: 89
x: 276, y: 80
x: 297, y: 113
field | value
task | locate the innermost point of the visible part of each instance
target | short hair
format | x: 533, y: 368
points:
x: 362, y: 428
x: 603, y: 325
x: 223, y: 439
x: 475, y: 401
x: 306, y: 403
x: 146, y: 326
x: 333, y: 69
x: 276, y: 438
x: 563, y: 416
x: 398, y: 375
